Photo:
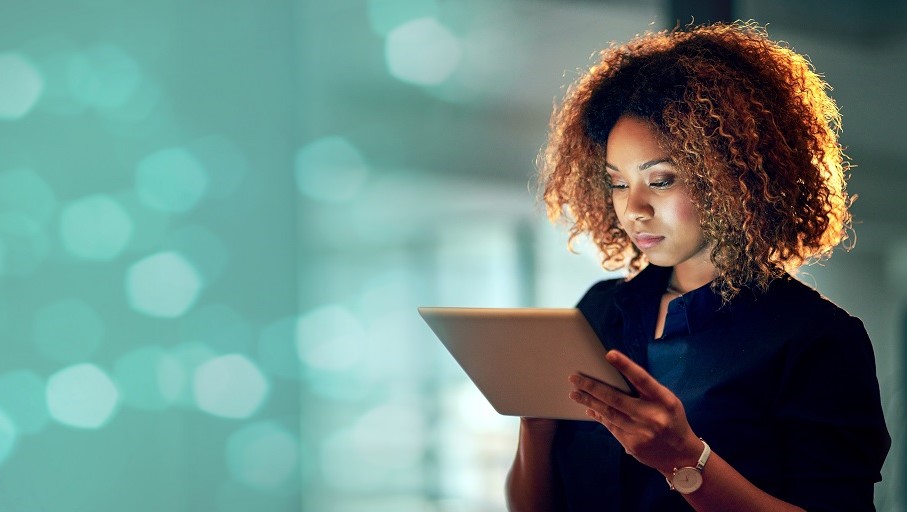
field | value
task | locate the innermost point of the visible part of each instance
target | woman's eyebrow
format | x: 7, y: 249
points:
x: 643, y: 166
x: 651, y: 163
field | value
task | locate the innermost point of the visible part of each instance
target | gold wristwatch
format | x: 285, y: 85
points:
x: 687, y: 479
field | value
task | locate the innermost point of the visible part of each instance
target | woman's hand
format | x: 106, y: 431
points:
x: 653, y: 428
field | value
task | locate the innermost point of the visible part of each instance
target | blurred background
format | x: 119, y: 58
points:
x: 217, y: 220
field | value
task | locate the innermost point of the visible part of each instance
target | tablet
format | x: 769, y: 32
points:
x: 520, y: 358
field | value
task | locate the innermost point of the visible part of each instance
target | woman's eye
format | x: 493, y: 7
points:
x: 662, y: 182
x: 616, y: 186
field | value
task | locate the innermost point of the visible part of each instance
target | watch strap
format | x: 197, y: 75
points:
x: 706, y: 452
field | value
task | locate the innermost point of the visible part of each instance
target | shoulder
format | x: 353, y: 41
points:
x: 800, y: 308
x: 816, y: 337
x: 599, y: 294
x: 599, y: 307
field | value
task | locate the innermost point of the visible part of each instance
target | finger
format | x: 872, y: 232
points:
x: 603, y: 392
x: 583, y: 398
x: 614, y: 421
x: 604, y: 414
x: 640, y: 378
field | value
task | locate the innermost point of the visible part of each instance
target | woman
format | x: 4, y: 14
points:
x: 706, y: 162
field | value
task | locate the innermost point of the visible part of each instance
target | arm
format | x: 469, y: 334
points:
x: 831, y: 416
x: 530, y: 484
x: 653, y: 428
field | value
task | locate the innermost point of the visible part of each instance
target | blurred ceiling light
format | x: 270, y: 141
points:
x: 163, y: 285
x: 171, y: 180
x: 8, y: 436
x: 422, y: 52
x: 95, y: 228
x: 229, y: 386
x: 82, y: 396
x: 263, y: 455
x: 103, y: 76
x: 20, y: 87
x: 330, y: 338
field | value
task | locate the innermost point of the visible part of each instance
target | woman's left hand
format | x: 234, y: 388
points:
x: 653, y: 428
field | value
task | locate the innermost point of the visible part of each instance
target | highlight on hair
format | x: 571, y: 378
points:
x: 749, y: 126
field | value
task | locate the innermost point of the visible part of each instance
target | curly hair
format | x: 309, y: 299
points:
x: 749, y: 126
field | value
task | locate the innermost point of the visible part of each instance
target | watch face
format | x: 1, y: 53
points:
x: 686, y: 480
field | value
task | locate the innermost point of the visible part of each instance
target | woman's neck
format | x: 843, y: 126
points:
x: 691, y: 275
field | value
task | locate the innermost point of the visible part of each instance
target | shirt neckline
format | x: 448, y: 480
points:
x: 642, y: 294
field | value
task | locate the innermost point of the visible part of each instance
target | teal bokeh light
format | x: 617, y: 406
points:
x: 103, y: 76
x: 148, y: 378
x: 263, y: 455
x: 330, y: 338
x: 229, y: 386
x: 330, y: 344
x: 8, y: 436
x: 22, y: 398
x: 422, y: 52
x: 25, y: 192
x: 82, y: 396
x: 330, y: 170
x: 176, y: 380
x: 171, y: 180
x: 384, y: 16
x: 163, y: 285
x: 20, y: 86
x: 53, y: 55
x: 68, y: 331
x: 95, y: 228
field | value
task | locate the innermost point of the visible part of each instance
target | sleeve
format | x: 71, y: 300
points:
x: 833, y: 433
x: 596, y: 302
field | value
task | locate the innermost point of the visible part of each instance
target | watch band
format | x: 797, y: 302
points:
x: 706, y: 451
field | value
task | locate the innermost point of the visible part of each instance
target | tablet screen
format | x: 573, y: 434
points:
x: 520, y: 358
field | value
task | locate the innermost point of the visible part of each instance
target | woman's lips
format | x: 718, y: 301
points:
x: 645, y: 240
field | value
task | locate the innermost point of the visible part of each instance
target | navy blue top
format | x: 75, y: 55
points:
x: 781, y: 384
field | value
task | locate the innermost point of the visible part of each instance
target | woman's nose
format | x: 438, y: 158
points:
x: 639, y: 206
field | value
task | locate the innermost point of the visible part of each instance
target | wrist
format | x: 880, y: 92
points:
x: 687, y: 455
x: 538, y: 427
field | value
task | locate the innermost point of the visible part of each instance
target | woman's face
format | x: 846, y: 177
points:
x: 651, y: 201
